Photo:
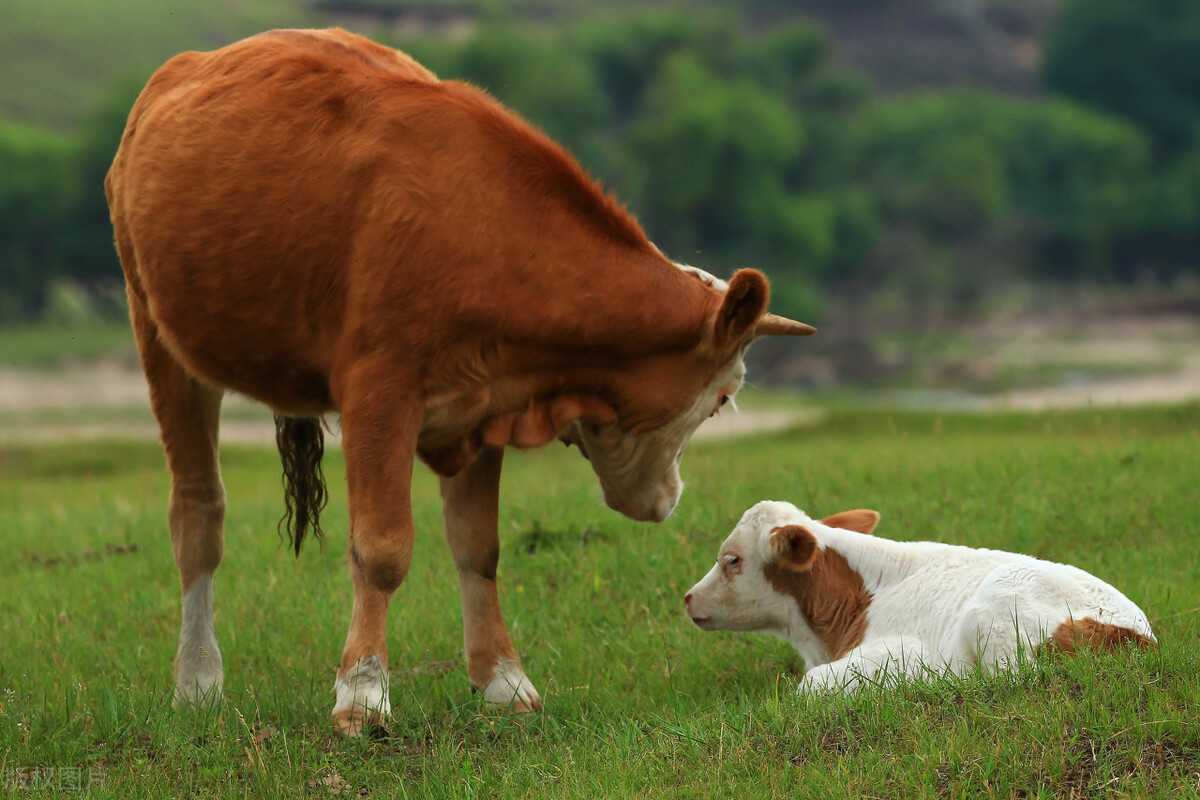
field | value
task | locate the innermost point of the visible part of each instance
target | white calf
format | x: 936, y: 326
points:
x: 855, y: 605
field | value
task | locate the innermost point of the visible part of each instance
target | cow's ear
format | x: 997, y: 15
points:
x: 745, y: 303
x: 794, y: 547
x: 862, y: 520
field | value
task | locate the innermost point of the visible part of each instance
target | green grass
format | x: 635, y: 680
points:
x: 42, y: 345
x: 639, y: 703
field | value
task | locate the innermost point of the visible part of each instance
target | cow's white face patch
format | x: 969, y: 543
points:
x: 735, y: 594
x: 639, y: 473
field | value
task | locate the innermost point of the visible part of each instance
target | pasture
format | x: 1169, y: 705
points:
x: 638, y: 702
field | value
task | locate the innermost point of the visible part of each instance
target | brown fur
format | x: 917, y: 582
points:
x: 1087, y: 633
x: 860, y: 520
x: 830, y: 595
x: 320, y: 223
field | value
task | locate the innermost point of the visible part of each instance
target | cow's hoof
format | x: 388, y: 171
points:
x: 362, y: 697
x: 357, y: 721
x: 510, y: 689
x: 198, y: 688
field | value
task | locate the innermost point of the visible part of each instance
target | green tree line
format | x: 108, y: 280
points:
x: 740, y: 147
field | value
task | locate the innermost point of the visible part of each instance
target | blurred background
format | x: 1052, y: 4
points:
x: 981, y: 202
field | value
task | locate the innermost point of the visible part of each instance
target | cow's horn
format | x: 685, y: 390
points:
x: 775, y: 325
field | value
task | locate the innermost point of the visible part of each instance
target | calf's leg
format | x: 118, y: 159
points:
x: 893, y: 655
x: 188, y: 414
x: 470, y: 505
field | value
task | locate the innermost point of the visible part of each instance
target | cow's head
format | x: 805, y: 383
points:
x: 667, y: 397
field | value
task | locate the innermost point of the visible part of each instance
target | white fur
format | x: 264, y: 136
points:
x: 198, y: 671
x: 934, y: 606
x: 365, y: 685
x: 510, y: 687
x: 707, y: 278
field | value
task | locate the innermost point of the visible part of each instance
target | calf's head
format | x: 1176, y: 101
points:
x: 774, y: 564
x: 664, y: 399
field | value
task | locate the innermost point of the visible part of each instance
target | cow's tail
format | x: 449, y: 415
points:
x: 301, y: 444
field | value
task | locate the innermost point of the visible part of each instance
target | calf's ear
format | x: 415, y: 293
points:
x: 794, y: 547
x: 862, y: 520
x: 744, y: 304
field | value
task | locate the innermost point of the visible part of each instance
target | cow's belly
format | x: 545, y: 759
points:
x: 270, y: 345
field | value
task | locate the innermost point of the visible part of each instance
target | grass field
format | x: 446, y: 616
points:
x: 47, y: 346
x: 639, y: 703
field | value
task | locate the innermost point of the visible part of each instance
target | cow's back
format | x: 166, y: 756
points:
x: 235, y: 196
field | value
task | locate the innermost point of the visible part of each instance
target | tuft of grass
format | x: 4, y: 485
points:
x: 638, y: 702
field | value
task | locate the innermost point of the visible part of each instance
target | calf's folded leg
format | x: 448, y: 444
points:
x: 893, y: 655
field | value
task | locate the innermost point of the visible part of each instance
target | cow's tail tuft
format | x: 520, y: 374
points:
x: 301, y: 444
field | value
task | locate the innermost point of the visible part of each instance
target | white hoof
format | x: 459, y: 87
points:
x: 198, y: 686
x: 362, y: 696
x: 511, y: 689
x: 198, y: 670
x: 198, y: 675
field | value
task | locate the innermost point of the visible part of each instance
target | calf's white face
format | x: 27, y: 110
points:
x: 736, y: 594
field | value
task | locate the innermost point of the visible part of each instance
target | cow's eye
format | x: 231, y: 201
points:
x: 724, y: 399
x: 733, y: 563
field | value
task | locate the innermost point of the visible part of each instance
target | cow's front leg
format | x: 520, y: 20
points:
x: 470, y: 503
x: 379, y: 440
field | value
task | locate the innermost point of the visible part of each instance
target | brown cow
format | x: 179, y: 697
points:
x: 318, y: 222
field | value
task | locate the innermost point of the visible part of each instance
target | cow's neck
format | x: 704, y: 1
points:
x: 610, y: 298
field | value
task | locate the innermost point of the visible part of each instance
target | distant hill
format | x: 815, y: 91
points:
x: 901, y: 44
x: 58, y: 56
x: 908, y: 44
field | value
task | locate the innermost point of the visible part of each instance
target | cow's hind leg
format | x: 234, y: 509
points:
x: 188, y: 414
x: 470, y: 503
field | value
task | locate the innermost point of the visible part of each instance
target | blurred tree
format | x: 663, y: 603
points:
x: 715, y: 153
x: 1138, y: 60
x: 629, y: 51
x: 551, y: 85
x: 961, y: 165
x: 34, y: 200
x: 88, y: 252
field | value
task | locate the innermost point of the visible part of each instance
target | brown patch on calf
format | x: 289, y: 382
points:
x: 860, y: 520
x: 1089, y: 634
x: 830, y: 594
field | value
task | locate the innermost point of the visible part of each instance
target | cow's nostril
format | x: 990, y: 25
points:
x: 687, y: 599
